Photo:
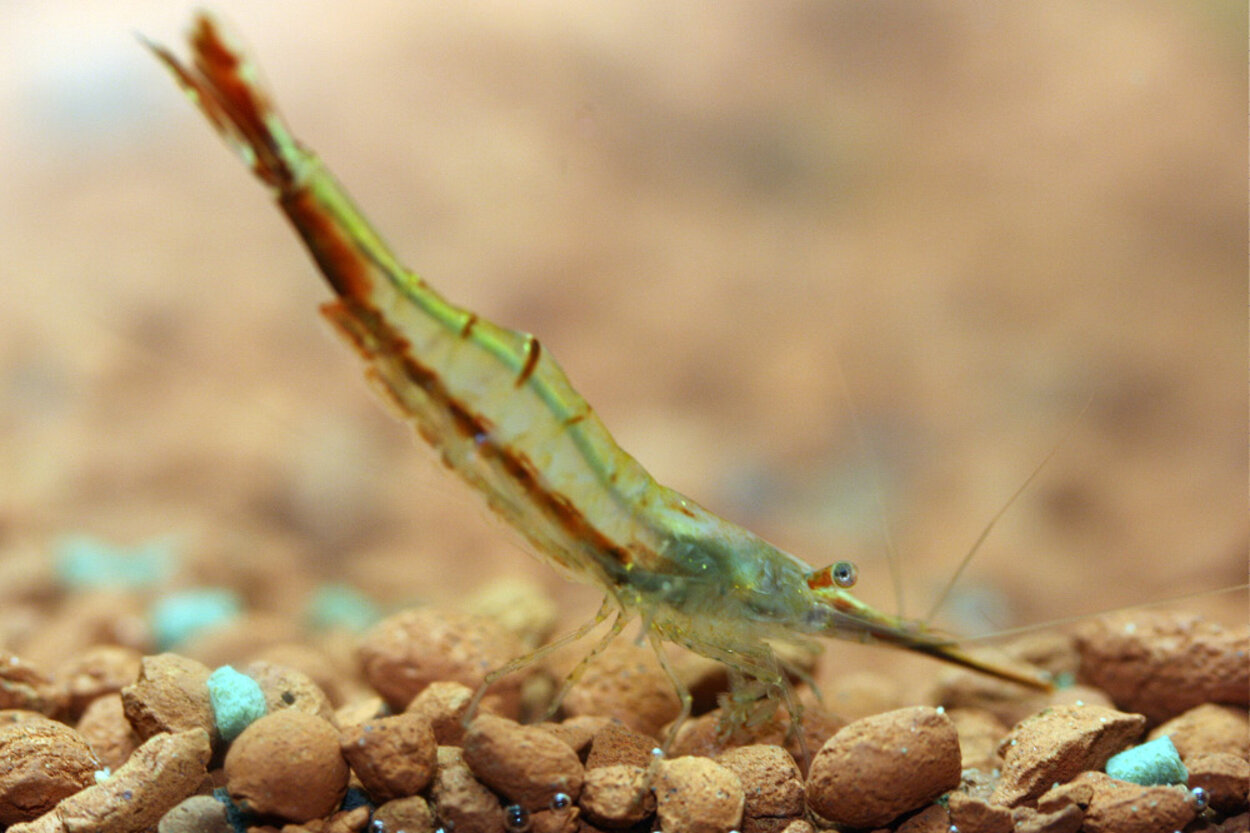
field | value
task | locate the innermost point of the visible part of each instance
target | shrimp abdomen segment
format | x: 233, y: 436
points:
x: 493, y: 402
x: 490, y: 399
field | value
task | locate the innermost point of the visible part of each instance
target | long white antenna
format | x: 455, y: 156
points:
x: 866, y: 451
x: 1082, y: 617
x: 989, y: 527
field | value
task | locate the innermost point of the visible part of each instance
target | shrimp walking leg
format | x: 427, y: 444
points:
x: 526, y: 660
x: 575, y: 675
x: 683, y: 691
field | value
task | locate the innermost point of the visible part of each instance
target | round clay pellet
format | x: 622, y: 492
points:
x: 880, y: 767
x: 41, y: 762
x: 525, y: 764
x: 394, y: 757
x: 404, y: 653
x: 287, y: 764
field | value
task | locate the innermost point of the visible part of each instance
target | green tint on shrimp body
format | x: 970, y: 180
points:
x: 505, y: 418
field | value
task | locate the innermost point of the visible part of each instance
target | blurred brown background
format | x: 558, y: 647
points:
x: 983, y: 214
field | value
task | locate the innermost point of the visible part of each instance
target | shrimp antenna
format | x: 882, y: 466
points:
x: 989, y: 527
x: 866, y: 450
x: 1068, y: 620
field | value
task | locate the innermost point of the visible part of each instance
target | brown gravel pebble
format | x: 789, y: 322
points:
x: 567, y: 820
x: 161, y: 773
x: 705, y: 679
x: 616, y: 795
x: 94, y: 617
x: 770, y: 780
x: 314, y: 663
x: 408, y: 651
x: 959, y: 688
x: 1237, y: 824
x: 1052, y: 651
x: 394, y: 757
x: 360, y: 711
x: 410, y: 815
x: 1065, y: 820
x: 443, y: 704
x: 617, y: 744
x: 170, y: 695
x: 975, y: 815
x: 1055, y: 746
x: 1225, y: 777
x: 978, y: 783
x: 463, y: 803
x: 288, y: 688
x: 1208, y: 728
x: 344, y: 821
x: 626, y: 681
x: 577, y: 732
x: 287, y: 764
x: 8, y: 716
x: 879, y: 767
x: 932, y: 819
x: 799, y: 826
x: 703, y: 735
x: 523, y: 763
x: 105, y: 727
x: 26, y: 575
x: 697, y: 795
x: 233, y: 641
x: 22, y: 686
x: 980, y: 732
x: 538, y: 691
x: 1113, y: 806
x: 41, y: 762
x: 523, y: 607
x: 1162, y: 665
x: 99, y: 670
x: 864, y: 693
x: 197, y: 814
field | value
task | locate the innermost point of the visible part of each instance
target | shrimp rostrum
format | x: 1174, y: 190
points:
x: 504, y: 417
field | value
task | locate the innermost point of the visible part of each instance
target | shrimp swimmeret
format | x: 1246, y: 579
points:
x: 505, y: 418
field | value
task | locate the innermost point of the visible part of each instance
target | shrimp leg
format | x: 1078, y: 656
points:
x: 526, y: 660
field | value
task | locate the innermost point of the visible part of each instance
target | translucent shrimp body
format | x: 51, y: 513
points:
x: 505, y: 418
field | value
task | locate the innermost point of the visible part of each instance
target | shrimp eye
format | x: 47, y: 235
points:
x: 845, y: 574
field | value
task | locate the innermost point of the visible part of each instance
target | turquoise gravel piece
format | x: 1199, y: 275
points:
x: 84, y: 562
x: 237, y: 701
x: 341, y: 606
x: 1155, y: 762
x: 177, y: 617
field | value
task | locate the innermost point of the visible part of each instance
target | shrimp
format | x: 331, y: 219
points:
x: 504, y: 417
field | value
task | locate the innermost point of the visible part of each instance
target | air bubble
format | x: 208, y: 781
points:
x: 516, y: 818
x: 561, y: 801
x: 1200, y: 798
